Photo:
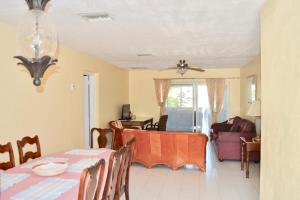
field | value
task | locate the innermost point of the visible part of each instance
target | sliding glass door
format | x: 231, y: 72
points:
x: 202, y: 108
x: 179, y: 107
x: 188, y: 109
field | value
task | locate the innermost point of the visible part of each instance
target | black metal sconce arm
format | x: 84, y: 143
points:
x: 37, y: 4
x: 37, y: 68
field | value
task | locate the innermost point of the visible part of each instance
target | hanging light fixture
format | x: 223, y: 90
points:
x: 182, y: 67
x: 36, y: 40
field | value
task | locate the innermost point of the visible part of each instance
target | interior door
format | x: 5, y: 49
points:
x: 89, y: 107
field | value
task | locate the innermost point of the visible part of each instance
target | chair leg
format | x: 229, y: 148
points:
x: 117, y: 196
x: 126, y: 192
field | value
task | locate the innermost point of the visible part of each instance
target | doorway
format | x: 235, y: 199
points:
x: 89, y: 106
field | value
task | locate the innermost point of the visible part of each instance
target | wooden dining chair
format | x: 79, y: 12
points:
x: 123, y: 178
x: 7, y: 148
x: 161, y: 125
x: 24, y: 157
x: 118, y: 128
x: 102, y: 137
x: 91, y: 180
x: 114, y: 167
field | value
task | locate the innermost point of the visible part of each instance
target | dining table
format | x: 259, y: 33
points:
x: 21, y: 183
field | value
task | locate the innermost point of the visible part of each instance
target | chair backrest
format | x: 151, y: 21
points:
x: 117, y: 124
x: 91, y: 181
x: 113, y: 174
x: 7, y: 148
x: 162, y: 123
x: 102, y: 137
x: 117, y: 134
x: 24, y: 157
x: 123, y: 179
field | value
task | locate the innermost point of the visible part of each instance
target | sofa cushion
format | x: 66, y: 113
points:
x: 247, y: 126
x: 236, y: 125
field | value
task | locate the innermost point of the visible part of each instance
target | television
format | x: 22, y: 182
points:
x: 126, y: 112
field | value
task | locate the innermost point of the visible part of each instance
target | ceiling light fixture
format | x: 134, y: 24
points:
x: 36, y: 40
x: 182, y: 67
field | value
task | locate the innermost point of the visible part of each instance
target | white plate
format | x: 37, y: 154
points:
x: 50, y: 168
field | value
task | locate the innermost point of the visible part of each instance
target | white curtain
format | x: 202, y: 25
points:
x: 162, y: 87
x: 215, y: 90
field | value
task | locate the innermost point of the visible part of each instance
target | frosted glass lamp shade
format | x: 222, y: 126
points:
x: 181, y: 71
x: 36, y: 36
x: 254, y: 110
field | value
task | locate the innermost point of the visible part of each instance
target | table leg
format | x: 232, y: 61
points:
x: 247, y: 165
x: 242, y: 158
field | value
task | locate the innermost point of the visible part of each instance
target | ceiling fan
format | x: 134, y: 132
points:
x: 182, y: 68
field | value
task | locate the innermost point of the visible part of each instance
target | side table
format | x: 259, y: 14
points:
x: 247, y: 146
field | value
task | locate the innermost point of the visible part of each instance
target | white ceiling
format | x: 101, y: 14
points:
x: 207, y: 33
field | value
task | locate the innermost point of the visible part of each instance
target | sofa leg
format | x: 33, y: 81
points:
x: 221, y: 159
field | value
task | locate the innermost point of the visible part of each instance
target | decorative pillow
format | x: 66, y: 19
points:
x: 247, y: 126
x: 235, y: 128
x: 230, y: 121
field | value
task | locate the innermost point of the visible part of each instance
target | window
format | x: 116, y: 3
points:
x: 187, y: 107
x: 179, y: 107
x: 251, y: 80
x: 180, y: 96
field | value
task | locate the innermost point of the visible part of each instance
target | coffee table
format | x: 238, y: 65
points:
x: 247, y: 146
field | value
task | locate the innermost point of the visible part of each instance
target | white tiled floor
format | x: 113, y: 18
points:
x: 222, y: 181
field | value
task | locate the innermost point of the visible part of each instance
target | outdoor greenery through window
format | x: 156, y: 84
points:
x: 180, y: 96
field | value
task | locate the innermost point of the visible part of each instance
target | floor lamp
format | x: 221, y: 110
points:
x: 254, y: 111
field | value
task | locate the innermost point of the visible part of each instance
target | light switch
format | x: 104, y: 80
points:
x: 72, y: 87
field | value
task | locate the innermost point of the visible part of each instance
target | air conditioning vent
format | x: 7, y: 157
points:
x: 144, y: 54
x: 94, y: 17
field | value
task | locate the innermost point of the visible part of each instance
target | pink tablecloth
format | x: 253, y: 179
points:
x: 22, y: 181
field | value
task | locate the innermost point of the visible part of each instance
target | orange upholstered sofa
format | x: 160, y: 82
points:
x: 173, y: 149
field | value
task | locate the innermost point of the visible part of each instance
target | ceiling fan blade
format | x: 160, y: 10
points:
x: 196, y: 69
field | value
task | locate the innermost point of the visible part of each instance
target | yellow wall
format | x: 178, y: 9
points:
x: 54, y: 113
x: 280, y: 55
x: 142, y: 95
x: 253, y: 68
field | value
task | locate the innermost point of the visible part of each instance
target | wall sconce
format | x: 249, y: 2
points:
x: 36, y: 40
